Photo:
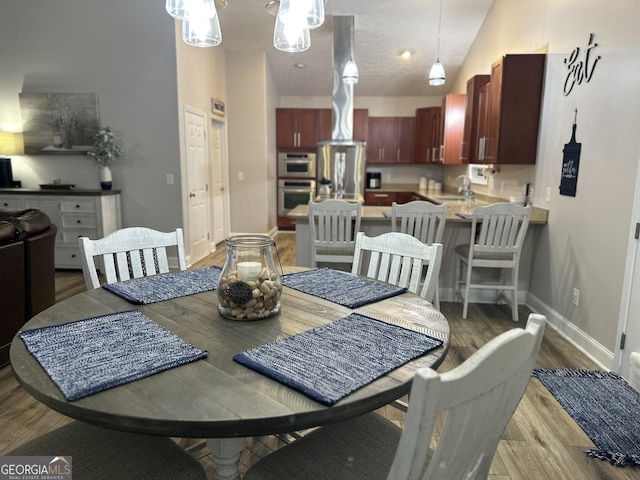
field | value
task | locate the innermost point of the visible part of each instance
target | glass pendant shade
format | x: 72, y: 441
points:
x: 315, y: 13
x: 177, y: 8
x: 291, y: 31
x: 202, y: 28
x: 350, y: 73
x: 437, y: 76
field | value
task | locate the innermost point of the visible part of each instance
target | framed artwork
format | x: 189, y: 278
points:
x: 59, y: 123
x: 217, y: 107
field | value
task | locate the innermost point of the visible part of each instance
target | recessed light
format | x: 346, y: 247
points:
x: 406, y: 54
x: 300, y: 65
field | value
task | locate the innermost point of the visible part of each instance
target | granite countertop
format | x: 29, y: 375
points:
x: 539, y: 216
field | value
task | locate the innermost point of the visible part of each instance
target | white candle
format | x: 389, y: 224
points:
x: 249, y: 270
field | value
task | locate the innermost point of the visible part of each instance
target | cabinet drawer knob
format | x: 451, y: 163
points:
x: 77, y: 206
x: 78, y: 221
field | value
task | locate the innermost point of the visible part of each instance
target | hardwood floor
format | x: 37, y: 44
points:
x: 540, y: 442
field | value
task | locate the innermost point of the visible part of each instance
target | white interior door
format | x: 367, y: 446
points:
x: 219, y: 181
x: 629, y: 323
x: 197, y: 184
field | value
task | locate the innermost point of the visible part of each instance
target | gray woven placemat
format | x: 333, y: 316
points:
x: 329, y: 362
x: 94, y: 354
x: 158, y: 288
x: 340, y: 287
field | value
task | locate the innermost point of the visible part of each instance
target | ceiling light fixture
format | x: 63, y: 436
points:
x: 437, y: 76
x: 201, y: 28
x: 291, y: 31
x: 350, y: 73
x: 406, y: 55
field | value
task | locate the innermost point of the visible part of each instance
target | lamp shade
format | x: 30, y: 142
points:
x: 11, y: 143
x: 437, y: 76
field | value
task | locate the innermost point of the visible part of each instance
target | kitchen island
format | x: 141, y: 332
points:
x: 377, y: 220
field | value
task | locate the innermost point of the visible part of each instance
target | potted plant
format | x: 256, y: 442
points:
x: 104, y: 151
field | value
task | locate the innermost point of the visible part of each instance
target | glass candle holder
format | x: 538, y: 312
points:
x: 249, y: 287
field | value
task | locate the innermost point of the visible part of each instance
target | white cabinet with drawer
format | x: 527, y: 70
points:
x: 93, y: 215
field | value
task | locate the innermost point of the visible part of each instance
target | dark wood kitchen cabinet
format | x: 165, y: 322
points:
x: 379, y: 199
x: 427, y: 149
x: 360, y: 124
x: 297, y: 128
x: 472, y: 113
x: 453, y: 106
x: 510, y: 136
x: 391, y: 140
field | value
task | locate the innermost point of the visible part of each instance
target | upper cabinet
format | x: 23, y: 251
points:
x: 297, y: 128
x: 472, y: 116
x: 428, y: 126
x: 510, y: 134
x: 452, y: 128
x: 391, y: 140
x: 360, y: 124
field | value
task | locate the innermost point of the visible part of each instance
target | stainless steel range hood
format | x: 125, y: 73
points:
x: 341, y: 160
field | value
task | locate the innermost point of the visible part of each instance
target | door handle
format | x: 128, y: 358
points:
x: 191, y: 194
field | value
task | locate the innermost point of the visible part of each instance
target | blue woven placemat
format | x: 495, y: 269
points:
x: 604, y: 405
x: 340, y: 287
x: 157, y: 288
x: 329, y: 362
x: 91, y: 355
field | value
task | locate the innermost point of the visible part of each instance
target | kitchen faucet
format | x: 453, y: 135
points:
x: 468, y: 194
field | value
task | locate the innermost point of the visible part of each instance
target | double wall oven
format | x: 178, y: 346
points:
x: 296, y: 183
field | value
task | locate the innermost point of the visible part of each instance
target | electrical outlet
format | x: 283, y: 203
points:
x: 240, y: 176
x: 576, y: 297
x: 169, y: 178
x: 547, y: 195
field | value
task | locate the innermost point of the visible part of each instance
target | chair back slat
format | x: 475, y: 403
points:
x: 332, y: 225
x: 421, y: 219
x: 398, y: 258
x: 130, y: 253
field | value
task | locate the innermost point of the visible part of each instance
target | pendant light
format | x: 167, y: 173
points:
x: 202, y: 27
x: 350, y: 73
x: 291, y: 31
x: 315, y: 13
x: 437, y: 76
x: 177, y: 9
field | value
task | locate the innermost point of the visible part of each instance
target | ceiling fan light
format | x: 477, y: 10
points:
x: 437, y: 76
x: 350, y: 73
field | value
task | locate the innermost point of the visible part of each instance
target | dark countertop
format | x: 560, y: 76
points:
x: 58, y: 191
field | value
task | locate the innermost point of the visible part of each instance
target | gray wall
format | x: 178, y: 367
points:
x: 130, y: 62
x: 585, y: 243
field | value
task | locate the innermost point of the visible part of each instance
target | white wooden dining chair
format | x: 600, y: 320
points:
x: 423, y: 220
x: 497, y: 235
x: 104, y: 454
x: 479, y: 398
x: 128, y: 253
x: 333, y: 225
x: 398, y: 258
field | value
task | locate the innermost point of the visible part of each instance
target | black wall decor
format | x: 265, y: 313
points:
x: 580, y: 68
x: 570, y: 163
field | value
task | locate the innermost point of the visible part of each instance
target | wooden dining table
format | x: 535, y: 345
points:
x: 217, y: 398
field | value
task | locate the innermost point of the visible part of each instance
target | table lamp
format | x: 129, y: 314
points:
x: 10, y: 144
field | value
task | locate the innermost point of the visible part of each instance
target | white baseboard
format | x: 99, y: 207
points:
x: 587, y: 345
x: 594, y: 350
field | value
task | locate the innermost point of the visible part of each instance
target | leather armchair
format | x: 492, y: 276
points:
x: 27, y: 271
